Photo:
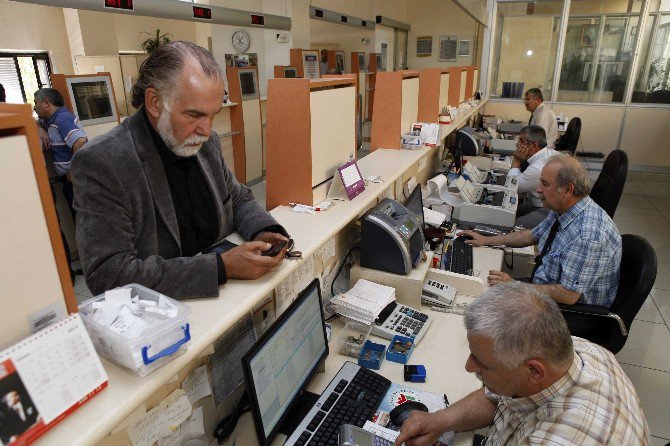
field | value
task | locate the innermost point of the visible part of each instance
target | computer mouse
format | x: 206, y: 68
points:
x: 400, y: 413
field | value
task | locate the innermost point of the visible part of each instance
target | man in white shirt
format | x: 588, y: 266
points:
x: 530, y: 147
x: 541, y: 115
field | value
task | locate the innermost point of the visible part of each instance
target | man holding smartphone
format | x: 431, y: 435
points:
x: 154, y: 197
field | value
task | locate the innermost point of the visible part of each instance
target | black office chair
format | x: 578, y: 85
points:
x: 607, y: 189
x: 609, y: 327
x: 568, y: 141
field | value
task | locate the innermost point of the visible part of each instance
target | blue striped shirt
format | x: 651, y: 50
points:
x: 586, y: 254
x: 63, y: 129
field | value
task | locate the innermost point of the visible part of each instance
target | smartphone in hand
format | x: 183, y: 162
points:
x: 273, y: 251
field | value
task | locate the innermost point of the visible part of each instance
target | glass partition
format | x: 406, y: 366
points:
x: 653, y: 77
x: 526, y: 42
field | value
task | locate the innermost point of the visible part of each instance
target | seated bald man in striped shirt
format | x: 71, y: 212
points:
x: 541, y: 386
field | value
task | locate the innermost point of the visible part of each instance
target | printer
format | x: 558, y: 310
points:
x: 485, y: 204
x: 499, y: 162
x: 503, y: 146
x: 510, y: 127
x: 391, y: 238
x: 492, y: 176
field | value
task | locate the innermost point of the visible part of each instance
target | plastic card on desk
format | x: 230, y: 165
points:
x: 46, y: 377
x: 348, y: 180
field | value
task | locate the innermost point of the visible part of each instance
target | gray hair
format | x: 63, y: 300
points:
x: 535, y: 134
x: 51, y: 95
x: 162, y: 70
x: 522, y: 323
x: 536, y: 93
x: 571, y: 172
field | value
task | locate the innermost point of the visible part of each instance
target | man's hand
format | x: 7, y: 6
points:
x: 522, y: 153
x: 477, y: 239
x: 496, y: 277
x: 247, y: 262
x: 44, y: 138
x: 421, y: 428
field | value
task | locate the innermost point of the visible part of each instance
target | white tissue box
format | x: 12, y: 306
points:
x: 159, y: 339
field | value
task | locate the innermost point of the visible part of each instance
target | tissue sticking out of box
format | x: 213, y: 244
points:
x: 127, y: 315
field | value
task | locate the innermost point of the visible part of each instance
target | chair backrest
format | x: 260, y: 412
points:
x: 607, y: 189
x: 568, y: 141
x: 636, y: 279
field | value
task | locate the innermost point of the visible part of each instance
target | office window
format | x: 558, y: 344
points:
x: 598, y: 51
x: 526, y: 42
x: 23, y: 74
x: 652, y: 84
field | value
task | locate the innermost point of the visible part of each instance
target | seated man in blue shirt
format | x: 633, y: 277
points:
x: 579, y: 245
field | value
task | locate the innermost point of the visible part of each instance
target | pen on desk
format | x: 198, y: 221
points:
x: 446, y: 400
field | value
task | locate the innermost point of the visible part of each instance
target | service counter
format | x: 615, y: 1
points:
x: 210, y: 318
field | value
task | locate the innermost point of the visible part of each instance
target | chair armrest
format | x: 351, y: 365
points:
x: 595, y: 310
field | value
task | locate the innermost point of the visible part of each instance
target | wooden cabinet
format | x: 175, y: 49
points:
x: 311, y: 130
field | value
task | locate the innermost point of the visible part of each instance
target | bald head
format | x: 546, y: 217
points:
x: 570, y: 171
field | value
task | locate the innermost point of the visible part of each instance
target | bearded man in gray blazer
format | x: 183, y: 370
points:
x: 154, y: 197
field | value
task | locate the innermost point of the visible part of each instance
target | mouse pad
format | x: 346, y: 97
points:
x: 400, y: 393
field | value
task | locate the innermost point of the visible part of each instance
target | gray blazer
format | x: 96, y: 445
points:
x: 126, y: 223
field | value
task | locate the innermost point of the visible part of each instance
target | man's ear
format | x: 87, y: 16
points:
x: 152, y: 102
x: 536, y: 372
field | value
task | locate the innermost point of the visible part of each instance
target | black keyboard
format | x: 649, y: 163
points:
x: 460, y: 260
x: 352, y: 397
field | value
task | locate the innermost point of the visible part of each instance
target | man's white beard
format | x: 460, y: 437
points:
x: 183, y: 150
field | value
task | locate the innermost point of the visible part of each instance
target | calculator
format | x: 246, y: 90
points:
x: 398, y: 319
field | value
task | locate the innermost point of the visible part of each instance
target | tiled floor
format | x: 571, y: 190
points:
x: 646, y: 356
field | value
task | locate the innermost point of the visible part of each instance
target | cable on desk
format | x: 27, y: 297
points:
x: 339, y: 270
x: 227, y: 425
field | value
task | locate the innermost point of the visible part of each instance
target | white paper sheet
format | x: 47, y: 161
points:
x: 196, y: 385
x: 162, y: 420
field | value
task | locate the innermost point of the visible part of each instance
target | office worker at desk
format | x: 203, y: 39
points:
x: 579, y: 245
x: 155, y: 191
x: 541, y: 115
x: 541, y: 386
x: 531, y: 147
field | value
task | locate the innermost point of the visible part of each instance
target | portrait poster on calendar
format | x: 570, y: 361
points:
x: 19, y: 418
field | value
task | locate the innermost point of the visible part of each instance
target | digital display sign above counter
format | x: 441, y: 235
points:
x: 200, y: 12
x: 126, y: 5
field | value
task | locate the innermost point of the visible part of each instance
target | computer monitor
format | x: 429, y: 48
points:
x: 415, y: 203
x: 248, y: 83
x: 282, y: 362
x: 92, y: 99
x: 290, y: 72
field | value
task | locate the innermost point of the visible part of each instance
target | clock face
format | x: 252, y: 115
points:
x: 241, y: 40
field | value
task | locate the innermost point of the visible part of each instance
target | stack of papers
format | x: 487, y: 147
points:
x: 364, y: 301
x: 433, y: 218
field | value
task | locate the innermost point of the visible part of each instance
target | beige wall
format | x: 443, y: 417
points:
x: 438, y: 18
x: 33, y: 27
x: 645, y: 136
x: 129, y: 30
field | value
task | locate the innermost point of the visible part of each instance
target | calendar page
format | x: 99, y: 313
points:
x: 46, y: 377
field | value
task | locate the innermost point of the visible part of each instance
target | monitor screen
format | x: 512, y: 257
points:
x: 91, y: 99
x: 290, y: 72
x: 281, y: 363
x: 248, y: 84
x: 415, y: 203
